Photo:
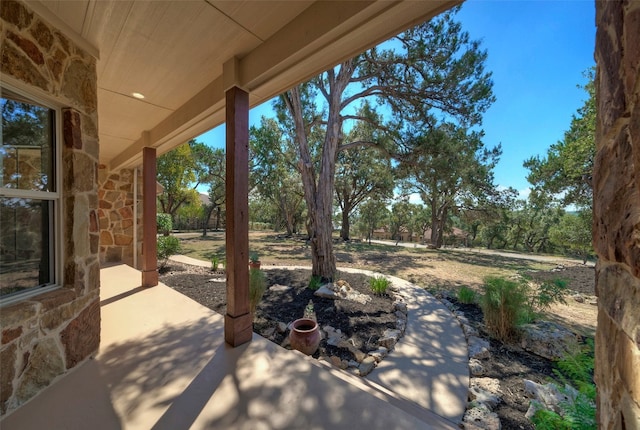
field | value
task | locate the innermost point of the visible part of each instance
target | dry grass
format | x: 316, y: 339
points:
x: 429, y: 268
x: 444, y: 269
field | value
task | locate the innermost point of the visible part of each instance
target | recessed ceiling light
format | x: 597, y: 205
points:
x: 138, y: 95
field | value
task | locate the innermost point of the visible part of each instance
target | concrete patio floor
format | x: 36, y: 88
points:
x: 163, y: 364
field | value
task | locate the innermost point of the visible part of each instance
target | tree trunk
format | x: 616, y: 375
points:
x: 318, y: 196
x: 436, y: 230
x: 344, y: 231
x: 218, y: 213
x: 207, y: 217
x: 287, y: 215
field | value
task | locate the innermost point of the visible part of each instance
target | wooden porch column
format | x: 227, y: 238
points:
x: 149, y: 228
x: 238, y: 324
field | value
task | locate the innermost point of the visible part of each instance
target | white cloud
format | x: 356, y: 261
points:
x: 524, y: 194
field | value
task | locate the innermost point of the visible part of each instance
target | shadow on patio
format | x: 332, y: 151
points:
x: 163, y: 364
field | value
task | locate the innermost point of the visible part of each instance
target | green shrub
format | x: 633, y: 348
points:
x: 550, y: 292
x: 215, y: 262
x: 166, y: 247
x: 503, y: 304
x: 466, y: 295
x: 575, y: 369
x: 379, y: 285
x: 507, y: 304
x: 257, y: 287
x: 315, y: 282
x: 549, y: 420
x: 164, y: 223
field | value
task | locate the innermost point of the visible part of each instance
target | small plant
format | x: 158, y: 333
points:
x: 166, y: 247
x: 466, y: 295
x: 215, y: 263
x: 164, y: 224
x: 257, y: 287
x: 315, y: 282
x: 254, y: 257
x: 309, y: 311
x: 379, y: 285
x: 503, y: 304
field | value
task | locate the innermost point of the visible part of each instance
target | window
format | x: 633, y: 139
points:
x: 28, y: 197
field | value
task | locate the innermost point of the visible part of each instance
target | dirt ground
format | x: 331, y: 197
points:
x: 439, y: 271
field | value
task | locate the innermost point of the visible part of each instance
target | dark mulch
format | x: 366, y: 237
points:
x: 363, y: 324
x: 511, y: 365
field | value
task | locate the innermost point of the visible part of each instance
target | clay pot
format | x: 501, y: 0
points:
x: 254, y: 264
x: 304, y: 336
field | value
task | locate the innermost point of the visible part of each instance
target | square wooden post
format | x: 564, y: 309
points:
x: 149, y: 228
x: 238, y: 323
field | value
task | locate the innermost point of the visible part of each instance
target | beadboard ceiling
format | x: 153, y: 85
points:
x: 173, y: 53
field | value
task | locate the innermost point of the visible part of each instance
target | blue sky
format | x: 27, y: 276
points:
x: 537, y: 51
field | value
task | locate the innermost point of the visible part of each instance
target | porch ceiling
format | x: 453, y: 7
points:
x: 173, y: 53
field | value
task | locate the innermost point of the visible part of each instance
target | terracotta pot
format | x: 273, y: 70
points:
x: 254, y: 264
x: 304, y: 336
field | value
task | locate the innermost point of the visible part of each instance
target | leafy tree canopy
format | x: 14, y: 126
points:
x: 430, y: 72
x: 566, y: 170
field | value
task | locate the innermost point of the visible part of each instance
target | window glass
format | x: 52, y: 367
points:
x: 24, y: 244
x: 27, y: 195
x: 26, y: 150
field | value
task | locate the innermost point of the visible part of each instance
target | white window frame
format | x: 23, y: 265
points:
x: 55, y: 218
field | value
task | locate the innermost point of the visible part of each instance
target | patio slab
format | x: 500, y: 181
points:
x: 163, y: 364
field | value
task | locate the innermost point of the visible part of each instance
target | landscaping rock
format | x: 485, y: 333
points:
x: 269, y: 332
x: 401, y: 307
x: 448, y: 304
x: 389, y: 338
x: 548, y: 339
x: 485, y: 391
x: 337, y: 362
x: 367, y: 366
x: 547, y: 396
x: 379, y: 354
x: 469, y: 330
x: 357, y: 354
x: 478, y: 347
x: 341, y: 290
x: 475, y: 367
x: 334, y: 337
x: 326, y: 292
x: 401, y: 322
x: 481, y: 417
x: 277, y: 288
x: 463, y: 319
x: 578, y: 298
x: 281, y: 327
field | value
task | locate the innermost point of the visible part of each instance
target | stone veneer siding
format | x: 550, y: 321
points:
x: 44, y: 336
x: 617, y: 214
x: 116, y: 215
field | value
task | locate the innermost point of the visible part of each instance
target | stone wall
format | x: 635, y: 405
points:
x: 116, y: 215
x: 44, y: 336
x: 617, y: 214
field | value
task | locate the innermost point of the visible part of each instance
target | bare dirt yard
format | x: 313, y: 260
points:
x: 442, y: 272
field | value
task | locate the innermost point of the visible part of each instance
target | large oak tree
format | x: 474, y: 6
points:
x: 430, y: 71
